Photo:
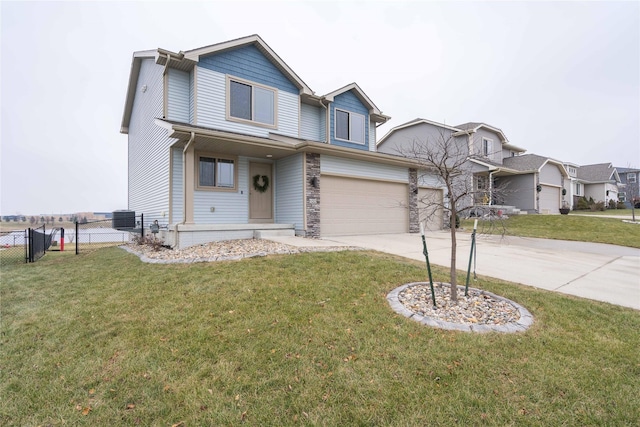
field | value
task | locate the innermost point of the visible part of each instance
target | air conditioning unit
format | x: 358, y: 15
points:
x: 123, y: 220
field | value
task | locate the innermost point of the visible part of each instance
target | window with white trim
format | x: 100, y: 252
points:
x: 487, y: 147
x: 349, y: 126
x: 251, y: 102
x: 215, y: 172
x: 578, y: 189
x: 631, y: 178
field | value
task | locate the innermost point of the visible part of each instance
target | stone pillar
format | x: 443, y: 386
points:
x: 312, y: 198
x: 414, y: 212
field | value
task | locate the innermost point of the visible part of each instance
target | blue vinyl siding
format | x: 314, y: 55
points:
x: 192, y: 97
x: 148, y: 152
x: 177, y: 195
x: 289, y: 191
x: 230, y: 207
x: 312, y: 122
x: 211, y: 108
x: 349, y: 102
x: 178, y: 96
x: 362, y: 169
x: 249, y: 63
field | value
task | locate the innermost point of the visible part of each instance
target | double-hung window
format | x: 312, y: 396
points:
x: 487, y: 147
x: 349, y: 126
x: 631, y: 178
x: 251, y: 102
x: 216, y: 173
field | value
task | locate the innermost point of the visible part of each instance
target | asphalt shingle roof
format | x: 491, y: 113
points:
x: 596, y: 173
x: 526, y: 162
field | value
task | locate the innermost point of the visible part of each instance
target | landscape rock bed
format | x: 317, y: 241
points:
x: 480, y: 311
x: 227, y: 250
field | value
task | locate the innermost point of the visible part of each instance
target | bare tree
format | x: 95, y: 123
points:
x: 446, y: 158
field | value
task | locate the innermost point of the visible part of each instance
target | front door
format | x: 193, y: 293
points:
x: 260, y: 192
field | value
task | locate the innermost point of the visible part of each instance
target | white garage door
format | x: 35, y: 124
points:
x: 351, y: 206
x: 430, y: 208
x: 549, y: 200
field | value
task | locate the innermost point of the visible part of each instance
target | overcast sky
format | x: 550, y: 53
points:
x: 561, y: 79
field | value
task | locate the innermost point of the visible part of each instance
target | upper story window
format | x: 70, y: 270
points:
x: 216, y: 172
x: 487, y: 147
x: 571, y: 170
x: 631, y: 178
x: 349, y: 126
x: 251, y: 102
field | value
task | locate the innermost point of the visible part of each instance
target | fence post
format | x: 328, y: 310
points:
x: 28, y: 247
x: 77, y: 238
x: 142, y: 226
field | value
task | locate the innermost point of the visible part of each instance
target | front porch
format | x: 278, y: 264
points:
x: 180, y: 236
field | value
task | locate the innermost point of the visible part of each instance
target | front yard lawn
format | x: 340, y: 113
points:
x: 564, y: 227
x: 103, y: 339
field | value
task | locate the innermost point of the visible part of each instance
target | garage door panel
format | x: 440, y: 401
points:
x: 360, y: 206
x: 549, y: 200
x: 430, y: 208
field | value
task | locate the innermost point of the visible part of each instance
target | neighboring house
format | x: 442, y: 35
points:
x: 527, y: 182
x: 629, y: 186
x: 534, y: 183
x: 598, y: 181
x: 227, y: 141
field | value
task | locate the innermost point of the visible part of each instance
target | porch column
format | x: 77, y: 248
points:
x: 188, y: 184
x: 312, y: 195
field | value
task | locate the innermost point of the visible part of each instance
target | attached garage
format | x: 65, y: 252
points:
x: 430, y: 208
x: 350, y: 206
x: 549, y: 200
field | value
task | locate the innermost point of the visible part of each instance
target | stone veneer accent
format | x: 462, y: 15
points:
x: 312, y: 198
x: 414, y: 213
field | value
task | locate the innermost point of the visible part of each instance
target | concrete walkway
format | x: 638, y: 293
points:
x: 596, y: 271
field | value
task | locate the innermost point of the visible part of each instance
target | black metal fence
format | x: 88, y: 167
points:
x: 29, y: 245
x: 38, y: 242
x: 93, y: 235
x: 14, y: 246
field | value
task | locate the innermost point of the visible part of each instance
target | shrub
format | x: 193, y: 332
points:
x: 620, y: 205
x: 612, y: 204
x: 582, y: 204
x: 154, y: 243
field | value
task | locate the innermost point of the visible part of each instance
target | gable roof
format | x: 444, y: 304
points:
x: 600, y: 172
x: 626, y: 170
x: 415, y: 122
x: 374, y: 112
x: 186, y: 60
x: 256, y: 40
x: 474, y: 126
x: 532, y: 163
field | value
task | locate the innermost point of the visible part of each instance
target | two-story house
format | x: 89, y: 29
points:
x: 599, y: 182
x: 501, y: 175
x: 629, y: 186
x: 227, y: 141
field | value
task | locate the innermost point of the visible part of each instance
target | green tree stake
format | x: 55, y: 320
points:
x: 473, y: 247
x: 426, y: 256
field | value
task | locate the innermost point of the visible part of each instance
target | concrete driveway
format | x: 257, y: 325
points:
x: 591, y: 270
